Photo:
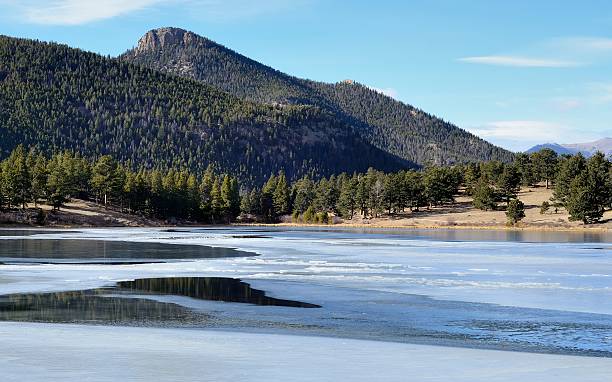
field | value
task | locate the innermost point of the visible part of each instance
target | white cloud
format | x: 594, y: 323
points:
x: 567, y: 104
x: 584, y: 44
x: 389, y: 92
x: 520, y: 135
x: 75, y: 12
x: 519, y: 61
x: 522, y: 130
x: 78, y: 12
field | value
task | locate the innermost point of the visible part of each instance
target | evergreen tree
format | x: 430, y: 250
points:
x: 267, y: 200
x: 525, y: 168
x: 347, y: 201
x: 569, y: 169
x: 59, y: 186
x: 107, y: 178
x: 484, y: 196
x: 281, y: 196
x: 545, y: 165
x: 509, y: 183
x: 216, y: 201
x: 414, y: 190
x: 440, y: 185
x: 363, y: 193
x: 303, y: 195
x: 206, y: 187
x: 515, y: 211
x: 582, y: 203
x: 39, y: 179
x: 17, y: 179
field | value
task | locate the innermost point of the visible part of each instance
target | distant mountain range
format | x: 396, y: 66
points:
x: 182, y: 101
x: 603, y: 145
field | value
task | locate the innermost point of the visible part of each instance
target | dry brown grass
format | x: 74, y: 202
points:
x: 463, y: 215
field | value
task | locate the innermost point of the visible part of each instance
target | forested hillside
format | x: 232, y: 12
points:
x: 53, y: 97
x: 386, y: 123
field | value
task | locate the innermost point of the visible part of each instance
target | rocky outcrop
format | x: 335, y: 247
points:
x: 162, y: 38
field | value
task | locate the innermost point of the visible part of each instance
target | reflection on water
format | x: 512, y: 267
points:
x: 119, y: 306
x: 30, y: 232
x: 441, y: 234
x: 209, y: 288
x: 100, y: 251
x: 92, y: 306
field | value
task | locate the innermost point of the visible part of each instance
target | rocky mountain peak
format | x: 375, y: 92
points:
x: 162, y: 38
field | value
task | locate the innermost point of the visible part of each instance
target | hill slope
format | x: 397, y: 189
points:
x: 392, y: 126
x: 55, y: 97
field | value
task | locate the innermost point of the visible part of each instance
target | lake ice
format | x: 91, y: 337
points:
x: 546, y: 293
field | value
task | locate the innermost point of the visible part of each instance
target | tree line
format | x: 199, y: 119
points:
x: 53, y: 97
x: 582, y: 186
x: 28, y: 177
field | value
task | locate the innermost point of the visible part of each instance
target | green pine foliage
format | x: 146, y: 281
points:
x: 390, y: 125
x: 56, y: 98
x: 515, y: 211
x: 582, y: 187
x: 64, y: 176
x: 484, y: 196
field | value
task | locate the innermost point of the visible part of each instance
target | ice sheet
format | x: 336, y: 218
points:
x: 566, y: 275
x: 41, y: 352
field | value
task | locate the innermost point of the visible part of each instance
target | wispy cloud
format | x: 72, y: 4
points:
x: 519, y: 135
x: 389, y: 92
x: 583, y: 44
x: 566, y: 104
x: 78, y: 12
x: 519, y: 61
x: 522, y: 130
x: 74, y: 12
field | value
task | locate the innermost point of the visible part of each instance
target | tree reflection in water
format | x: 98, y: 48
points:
x: 119, y: 306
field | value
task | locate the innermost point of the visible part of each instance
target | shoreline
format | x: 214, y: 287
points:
x: 432, y: 227
x: 520, y: 228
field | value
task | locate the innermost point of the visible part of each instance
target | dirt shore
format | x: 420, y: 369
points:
x: 459, y: 215
x: 462, y: 215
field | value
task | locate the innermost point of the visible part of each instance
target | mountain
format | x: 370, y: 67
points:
x: 559, y: 149
x: 587, y: 149
x: 390, y: 125
x: 54, y: 97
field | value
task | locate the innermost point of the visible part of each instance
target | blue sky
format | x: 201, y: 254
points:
x: 515, y: 72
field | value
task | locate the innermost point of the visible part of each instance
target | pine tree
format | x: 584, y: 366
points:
x: 234, y: 205
x: 569, y: 169
x: 484, y: 197
x: 267, y: 200
x: 59, y: 187
x: 545, y: 165
x: 347, y: 201
x: 281, y: 196
x: 216, y: 201
x: 107, y: 178
x: 17, y: 179
x: 515, y: 211
x: 303, y: 195
x: 582, y: 203
x: 509, y: 183
x: 226, y: 189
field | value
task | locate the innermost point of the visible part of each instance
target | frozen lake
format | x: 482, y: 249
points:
x: 519, y: 291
